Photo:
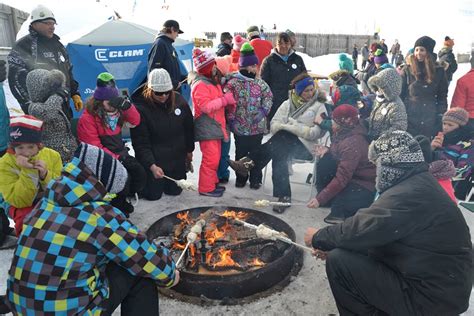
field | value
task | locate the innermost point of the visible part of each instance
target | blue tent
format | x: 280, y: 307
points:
x: 121, y: 48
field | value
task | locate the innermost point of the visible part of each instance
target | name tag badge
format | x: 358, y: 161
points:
x: 177, y: 112
x: 384, y: 111
x: 294, y: 66
x: 61, y: 58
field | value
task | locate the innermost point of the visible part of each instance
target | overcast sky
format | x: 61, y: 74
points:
x: 406, y: 20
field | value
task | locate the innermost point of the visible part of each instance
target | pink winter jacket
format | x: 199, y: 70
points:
x: 90, y: 130
x: 209, y: 98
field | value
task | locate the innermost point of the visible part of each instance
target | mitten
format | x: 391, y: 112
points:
x: 229, y: 98
x: 120, y: 103
x: 77, y: 102
x: 238, y: 42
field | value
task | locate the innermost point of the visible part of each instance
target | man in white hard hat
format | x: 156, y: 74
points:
x: 41, y: 49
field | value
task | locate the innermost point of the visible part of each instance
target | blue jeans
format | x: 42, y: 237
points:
x: 223, y: 170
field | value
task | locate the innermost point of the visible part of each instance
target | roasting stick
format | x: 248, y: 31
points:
x: 191, y: 237
x: 268, y: 233
x: 183, y: 184
x: 264, y: 203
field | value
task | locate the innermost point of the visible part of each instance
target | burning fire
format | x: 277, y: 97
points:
x: 225, y: 259
x: 177, y: 245
x: 184, y: 217
x: 192, y: 252
x: 257, y: 262
x: 236, y: 215
x: 213, y: 234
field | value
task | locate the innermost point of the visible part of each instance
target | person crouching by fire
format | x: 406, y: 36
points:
x: 79, y: 255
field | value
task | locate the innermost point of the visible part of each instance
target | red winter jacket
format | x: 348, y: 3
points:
x: 209, y: 98
x: 464, y: 94
x: 90, y: 130
x: 262, y: 49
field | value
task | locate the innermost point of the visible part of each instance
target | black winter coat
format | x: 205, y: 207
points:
x: 446, y: 55
x: 425, y: 103
x: 417, y: 230
x: 34, y: 51
x: 223, y: 49
x: 163, y: 138
x: 278, y: 74
x: 163, y: 55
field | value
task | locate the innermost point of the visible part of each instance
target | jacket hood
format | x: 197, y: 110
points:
x: 41, y: 83
x: 343, y: 77
x: 388, y: 81
x: 77, y: 185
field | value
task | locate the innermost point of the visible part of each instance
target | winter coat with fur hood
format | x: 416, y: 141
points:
x: 388, y: 113
x: 300, y: 120
x: 46, y: 92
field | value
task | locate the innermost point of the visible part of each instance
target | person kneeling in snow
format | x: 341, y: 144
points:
x: 79, y: 255
x: 101, y: 125
x: 350, y: 183
x: 409, y: 253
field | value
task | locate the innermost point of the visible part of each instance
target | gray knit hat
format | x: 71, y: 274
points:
x: 159, y: 80
x: 395, y: 148
x: 108, y: 170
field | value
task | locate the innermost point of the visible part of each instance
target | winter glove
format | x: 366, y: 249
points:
x: 77, y: 102
x: 229, y: 98
x: 120, y: 103
x: 3, y: 71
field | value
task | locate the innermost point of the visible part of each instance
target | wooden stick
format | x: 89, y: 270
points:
x: 182, y: 254
x: 280, y: 237
x: 169, y: 178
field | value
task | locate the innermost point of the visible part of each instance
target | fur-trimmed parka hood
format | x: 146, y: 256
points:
x: 389, y: 82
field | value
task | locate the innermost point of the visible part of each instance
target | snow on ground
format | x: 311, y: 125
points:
x: 308, y: 293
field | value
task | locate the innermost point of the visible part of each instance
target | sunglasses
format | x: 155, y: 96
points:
x: 159, y: 94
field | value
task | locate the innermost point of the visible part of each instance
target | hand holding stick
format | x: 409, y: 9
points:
x: 264, y: 203
x: 183, y: 184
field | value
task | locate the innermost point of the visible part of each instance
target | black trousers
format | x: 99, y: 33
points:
x: 136, y: 175
x: 155, y: 188
x: 280, y: 148
x: 364, y: 286
x: 138, y: 296
x: 243, y: 146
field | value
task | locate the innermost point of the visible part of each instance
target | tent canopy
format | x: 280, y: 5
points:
x: 120, y: 48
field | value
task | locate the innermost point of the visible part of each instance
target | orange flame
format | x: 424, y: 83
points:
x: 235, y: 215
x: 192, y: 251
x: 184, y: 217
x: 177, y: 245
x: 257, y: 262
x: 213, y: 234
x: 226, y: 260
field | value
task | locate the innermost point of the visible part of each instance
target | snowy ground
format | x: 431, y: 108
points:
x: 307, y: 294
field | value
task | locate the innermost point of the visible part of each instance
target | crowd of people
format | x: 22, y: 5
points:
x: 397, y: 244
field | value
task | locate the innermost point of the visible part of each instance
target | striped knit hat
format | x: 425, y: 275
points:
x: 456, y: 115
x: 203, y: 61
x: 108, y: 170
x: 25, y: 129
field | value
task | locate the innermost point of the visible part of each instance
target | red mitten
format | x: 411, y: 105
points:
x: 229, y: 98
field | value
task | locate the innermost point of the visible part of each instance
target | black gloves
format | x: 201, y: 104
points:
x: 120, y: 103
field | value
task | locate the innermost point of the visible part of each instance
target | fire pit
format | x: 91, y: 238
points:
x: 227, y: 261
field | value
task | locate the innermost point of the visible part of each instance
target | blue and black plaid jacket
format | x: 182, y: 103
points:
x: 66, y: 243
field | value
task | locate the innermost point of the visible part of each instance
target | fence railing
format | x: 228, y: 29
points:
x: 319, y: 44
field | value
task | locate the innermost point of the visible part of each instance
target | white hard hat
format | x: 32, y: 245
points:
x: 41, y: 13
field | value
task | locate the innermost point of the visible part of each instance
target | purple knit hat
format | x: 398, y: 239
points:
x: 382, y: 59
x: 247, y: 56
x: 106, y: 88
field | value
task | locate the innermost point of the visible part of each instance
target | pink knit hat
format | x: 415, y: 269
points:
x: 203, y: 61
x: 238, y: 42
